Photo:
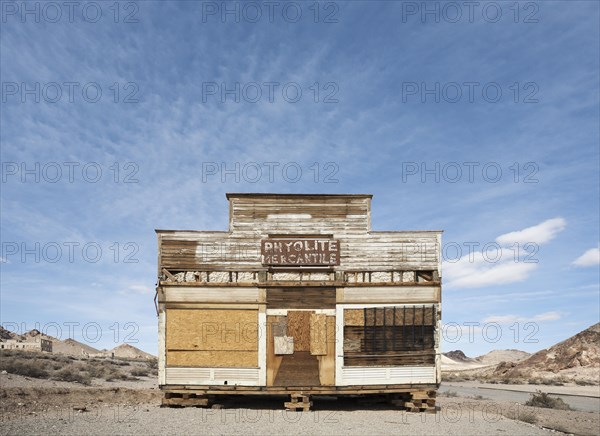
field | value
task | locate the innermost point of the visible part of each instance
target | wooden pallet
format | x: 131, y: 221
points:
x: 417, y: 401
x: 178, y: 399
x: 299, y: 402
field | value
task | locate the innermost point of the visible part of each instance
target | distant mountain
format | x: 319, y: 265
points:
x: 573, y: 355
x: 6, y: 334
x: 458, y: 356
x: 496, y: 356
x: 129, y: 352
x: 72, y: 347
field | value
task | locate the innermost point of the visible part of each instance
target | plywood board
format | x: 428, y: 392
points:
x: 213, y: 359
x: 327, y: 361
x: 299, y: 329
x: 212, y: 330
x: 318, y: 334
x: 354, y: 317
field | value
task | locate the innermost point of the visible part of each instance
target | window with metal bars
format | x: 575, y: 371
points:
x: 390, y: 335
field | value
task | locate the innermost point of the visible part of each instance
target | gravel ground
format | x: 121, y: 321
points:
x: 32, y: 406
x: 453, y: 419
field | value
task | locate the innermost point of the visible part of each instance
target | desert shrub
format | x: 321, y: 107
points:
x: 542, y: 399
x: 113, y: 374
x: 452, y: 377
x: 527, y: 416
x: 551, y: 382
x: 152, y: 364
x: 68, y: 374
x: 450, y: 394
x: 27, y: 368
x: 139, y: 372
x: 584, y: 383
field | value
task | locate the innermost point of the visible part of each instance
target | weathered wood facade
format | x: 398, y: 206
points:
x: 299, y: 297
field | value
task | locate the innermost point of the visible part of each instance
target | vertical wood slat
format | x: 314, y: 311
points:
x: 423, y: 326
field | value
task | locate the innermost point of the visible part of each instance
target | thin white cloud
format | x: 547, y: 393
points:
x: 488, y: 269
x: 590, y: 258
x: 510, y: 319
x: 538, y: 234
x: 465, y: 274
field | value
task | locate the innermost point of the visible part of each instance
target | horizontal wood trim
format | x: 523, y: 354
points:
x: 310, y: 283
x: 283, y: 390
x: 210, y: 306
x: 209, y: 294
x: 408, y: 360
x: 384, y: 294
x: 301, y: 298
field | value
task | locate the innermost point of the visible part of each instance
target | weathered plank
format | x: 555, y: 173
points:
x: 318, y: 334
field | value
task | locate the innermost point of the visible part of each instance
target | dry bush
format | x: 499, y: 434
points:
x: 139, y: 372
x: 527, y: 416
x: 542, y: 399
x: 584, y: 383
x: 452, y: 377
x: 71, y: 375
x: 32, y: 368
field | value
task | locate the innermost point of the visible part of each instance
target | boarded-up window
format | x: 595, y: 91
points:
x: 395, y: 335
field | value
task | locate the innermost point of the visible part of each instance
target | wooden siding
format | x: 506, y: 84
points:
x: 216, y: 278
x: 301, y: 298
x: 193, y: 251
x: 198, y: 294
x: 408, y: 294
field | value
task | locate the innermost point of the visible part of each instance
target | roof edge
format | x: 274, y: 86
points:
x: 271, y: 194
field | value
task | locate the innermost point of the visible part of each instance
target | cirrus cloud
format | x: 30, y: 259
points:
x: 590, y: 258
x: 538, y: 234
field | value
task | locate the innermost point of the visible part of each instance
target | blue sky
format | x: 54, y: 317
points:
x: 399, y: 92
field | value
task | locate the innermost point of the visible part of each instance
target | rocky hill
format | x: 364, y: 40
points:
x: 6, y: 334
x: 494, y: 357
x: 72, y: 347
x: 577, y: 357
x: 458, y: 356
x: 127, y: 351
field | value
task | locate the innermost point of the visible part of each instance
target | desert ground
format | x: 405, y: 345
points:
x: 38, y: 406
x: 554, y: 391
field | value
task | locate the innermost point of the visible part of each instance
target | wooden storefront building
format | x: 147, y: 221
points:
x: 299, y: 297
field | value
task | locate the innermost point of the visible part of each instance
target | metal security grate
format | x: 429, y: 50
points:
x: 398, y: 328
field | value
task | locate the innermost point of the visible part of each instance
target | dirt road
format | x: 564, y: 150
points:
x: 583, y: 399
